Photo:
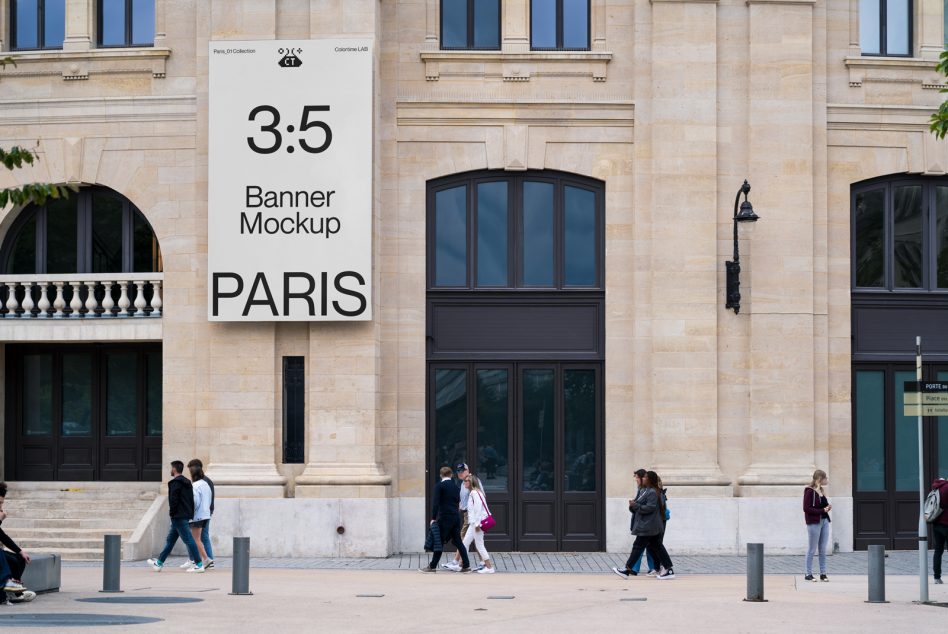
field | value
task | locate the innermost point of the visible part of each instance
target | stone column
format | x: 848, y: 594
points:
x: 684, y: 231
x: 161, y: 34
x: 79, y: 25
x: 780, y: 269
x: 516, y: 23
x: 432, y: 25
x: 930, y: 29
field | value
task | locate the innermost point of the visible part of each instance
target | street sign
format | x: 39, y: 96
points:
x: 930, y: 395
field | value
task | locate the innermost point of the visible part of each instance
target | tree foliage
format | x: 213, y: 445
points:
x: 939, y: 120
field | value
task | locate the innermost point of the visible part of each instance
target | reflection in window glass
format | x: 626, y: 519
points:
x: 579, y: 432
x: 538, y: 406
x: 869, y: 27
x: 870, y: 430
x: 77, y: 394
x: 454, y: 23
x: 870, y: 238
x: 543, y: 23
x: 492, y: 234
x: 146, y: 255
x: 537, y: 234
x: 486, y: 23
x: 27, y: 24
x: 580, y: 234
x: 23, y: 256
x: 153, y: 394
x: 112, y: 20
x: 143, y: 22
x: 906, y: 438
x: 54, y: 23
x: 492, y: 420
x: 941, y: 235
x: 907, y: 230
x: 61, y: 237
x: 451, y: 237
x: 106, y: 234
x: 576, y: 24
x: 121, y: 397
x: 450, y: 418
x: 897, y: 27
x: 941, y: 453
x: 37, y: 394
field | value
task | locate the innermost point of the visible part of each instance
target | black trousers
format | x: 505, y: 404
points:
x: 451, y: 532
x: 939, y: 539
x: 653, y: 544
x: 16, y: 563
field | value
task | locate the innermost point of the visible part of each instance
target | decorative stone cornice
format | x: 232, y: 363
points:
x: 516, y: 66
x: 809, y: 2
x: 487, y: 109
x: 908, y: 70
x: 79, y: 65
x: 98, y: 110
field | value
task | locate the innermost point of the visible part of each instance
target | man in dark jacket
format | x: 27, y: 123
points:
x: 940, y: 528
x: 181, y: 509
x: 12, y: 563
x: 444, y: 511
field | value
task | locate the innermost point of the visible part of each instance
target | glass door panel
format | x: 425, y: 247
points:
x: 538, y: 432
x: 906, y: 438
x: 38, y: 394
x: 77, y: 395
x: 870, y: 430
x: 579, y: 393
x: 493, y: 417
x: 121, y: 396
x: 450, y: 410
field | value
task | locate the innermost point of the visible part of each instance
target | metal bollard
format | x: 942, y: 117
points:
x: 241, y: 579
x: 877, y: 574
x: 112, y: 564
x: 755, y: 573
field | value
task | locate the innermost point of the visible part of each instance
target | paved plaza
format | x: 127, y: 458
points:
x: 545, y: 592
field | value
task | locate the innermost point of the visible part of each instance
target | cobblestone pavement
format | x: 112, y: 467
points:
x: 856, y: 563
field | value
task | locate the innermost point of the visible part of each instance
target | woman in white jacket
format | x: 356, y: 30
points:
x: 476, y: 511
x: 202, y: 512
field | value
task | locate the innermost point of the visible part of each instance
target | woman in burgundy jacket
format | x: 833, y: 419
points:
x: 816, y: 510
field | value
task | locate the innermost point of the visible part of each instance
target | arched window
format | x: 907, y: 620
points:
x: 96, y: 230
x: 536, y: 230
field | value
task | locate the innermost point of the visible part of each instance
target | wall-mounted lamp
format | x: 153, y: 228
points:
x: 744, y: 214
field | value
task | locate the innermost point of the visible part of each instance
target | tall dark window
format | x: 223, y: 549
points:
x: 885, y: 27
x: 900, y: 235
x: 470, y: 24
x: 540, y: 230
x: 294, y: 410
x: 559, y: 25
x: 93, y: 231
x: 126, y: 22
x: 37, y: 24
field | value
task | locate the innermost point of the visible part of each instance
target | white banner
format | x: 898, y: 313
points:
x: 290, y: 180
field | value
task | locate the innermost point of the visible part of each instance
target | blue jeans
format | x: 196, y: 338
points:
x: 638, y: 564
x: 180, y: 528
x: 5, y: 572
x: 206, y: 539
x: 818, y: 537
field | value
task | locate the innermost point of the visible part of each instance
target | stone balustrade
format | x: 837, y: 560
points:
x: 81, y: 296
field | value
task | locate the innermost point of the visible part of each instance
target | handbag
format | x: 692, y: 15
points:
x: 488, y: 522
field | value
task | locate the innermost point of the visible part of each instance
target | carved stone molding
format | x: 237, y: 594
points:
x: 516, y: 66
x: 79, y: 65
x: 909, y: 70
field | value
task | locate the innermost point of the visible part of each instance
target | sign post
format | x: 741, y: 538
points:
x: 922, y: 525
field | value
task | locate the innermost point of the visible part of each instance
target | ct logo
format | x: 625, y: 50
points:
x: 290, y: 57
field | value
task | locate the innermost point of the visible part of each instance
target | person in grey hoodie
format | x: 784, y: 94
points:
x: 648, y: 527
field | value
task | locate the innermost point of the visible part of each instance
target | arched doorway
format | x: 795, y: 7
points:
x: 82, y: 411
x: 515, y: 349
x: 899, y: 290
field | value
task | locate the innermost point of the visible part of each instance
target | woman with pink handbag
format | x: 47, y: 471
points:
x: 479, y: 521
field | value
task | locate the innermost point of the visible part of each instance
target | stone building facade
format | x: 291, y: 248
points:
x: 660, y: 113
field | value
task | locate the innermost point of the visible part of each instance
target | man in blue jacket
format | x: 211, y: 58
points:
x: 181, y: 509
x: 444, y: 511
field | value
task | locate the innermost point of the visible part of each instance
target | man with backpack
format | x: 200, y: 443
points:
x: 938, y: 520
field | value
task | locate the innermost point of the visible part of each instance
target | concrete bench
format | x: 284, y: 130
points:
x: 43, y: 573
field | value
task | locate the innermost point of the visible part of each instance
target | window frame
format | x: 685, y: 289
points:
x: 128, y: 43
x: 559, y: 29
x: 515, y: 273
x: 84, y: 219
x: 929, y: 236
x: 470, y: 29
x: 40, y: 29
x: 883, y: 32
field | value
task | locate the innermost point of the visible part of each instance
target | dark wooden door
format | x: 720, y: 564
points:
x: 84, y: 412
x: 885, y: 454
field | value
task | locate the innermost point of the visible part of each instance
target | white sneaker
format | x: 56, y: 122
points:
x: 453, y: 566
x: 187, y: 564
x: 667, y: 574
x: 652, y: 573
x: 13, y: 586
x: 196, y: 568
x: 155, y: 565
x: 486, y: 571
x: 24, y: 597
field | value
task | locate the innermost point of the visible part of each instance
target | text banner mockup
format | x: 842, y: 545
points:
x: 290, y: 180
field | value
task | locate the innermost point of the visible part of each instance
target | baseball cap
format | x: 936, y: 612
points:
x: 460, y: 467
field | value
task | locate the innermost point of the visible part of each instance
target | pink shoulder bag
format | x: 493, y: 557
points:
x: 488, y: 522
